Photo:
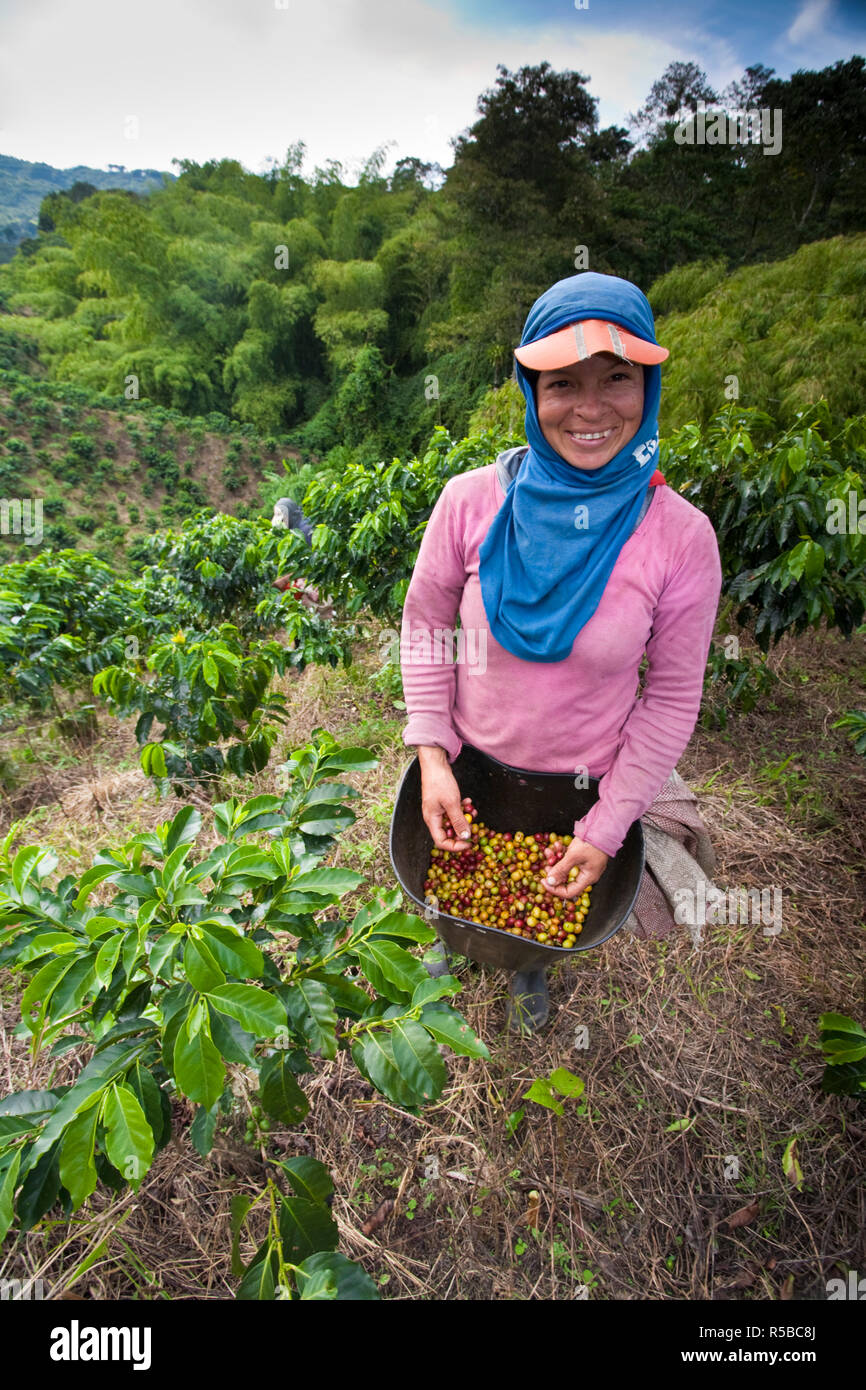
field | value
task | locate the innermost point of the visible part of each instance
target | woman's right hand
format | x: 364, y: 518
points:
x: 440, y: 799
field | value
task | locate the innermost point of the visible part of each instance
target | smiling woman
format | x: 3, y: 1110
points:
x: 573, y: 561
x: 590, y: 409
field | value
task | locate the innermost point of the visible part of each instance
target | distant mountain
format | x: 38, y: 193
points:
x: 23, y: 186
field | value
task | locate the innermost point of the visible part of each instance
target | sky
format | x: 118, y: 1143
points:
x: 95, y: 82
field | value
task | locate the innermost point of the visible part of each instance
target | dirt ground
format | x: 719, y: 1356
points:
x: 701, y: 1063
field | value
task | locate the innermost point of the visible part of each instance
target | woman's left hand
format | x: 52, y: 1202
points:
x: 590, y: 861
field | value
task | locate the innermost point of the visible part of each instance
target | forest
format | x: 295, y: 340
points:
x: 228, y: 1072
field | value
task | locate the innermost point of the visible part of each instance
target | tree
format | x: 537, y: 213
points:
x: 675, y: 95
x: 532, y: 123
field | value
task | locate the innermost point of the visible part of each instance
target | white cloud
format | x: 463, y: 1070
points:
x: 810, y: 21
x: 245, y: 79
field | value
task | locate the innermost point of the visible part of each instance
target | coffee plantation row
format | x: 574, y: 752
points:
x: 187, y: 642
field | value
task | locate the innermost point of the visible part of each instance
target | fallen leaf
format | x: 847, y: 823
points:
x: 791, y: 1166
x: 744, y: 1216
x: 680, y: 1126
x: 787, y: 1290
x: 379, y: 1217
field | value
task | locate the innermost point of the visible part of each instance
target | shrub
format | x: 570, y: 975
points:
x: 176, y: 980
x: 81, y: 447
x: 771, y: 497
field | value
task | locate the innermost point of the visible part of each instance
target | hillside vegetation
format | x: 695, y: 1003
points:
x: 109, y: 471
x: 361, y: 315
x: 25, y: 185
x: 777, y: 337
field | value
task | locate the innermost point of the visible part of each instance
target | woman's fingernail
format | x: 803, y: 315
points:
x: 464, y: 834
x: 551, y: 880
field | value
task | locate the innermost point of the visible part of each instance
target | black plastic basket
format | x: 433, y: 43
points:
x: 512, y: 798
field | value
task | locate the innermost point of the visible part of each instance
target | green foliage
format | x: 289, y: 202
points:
x: 503, y: 411
x: 203, y: 693
x: 370, y: 521
x: 855, y: 722
x: 63, y: 617
x: 790, y: 332
x: 843, y: 1043
x: 188, y: 966
x: 772, y: 498
x: 224, y: 567
x: 547, y: 1090
x: 682, y: 289
x: 733, y: 683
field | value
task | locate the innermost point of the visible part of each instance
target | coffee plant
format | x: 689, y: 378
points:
x: 843, y: 1043
x: 773, y: 497
x: 63, y: 617
x: 179, y: 958
x: 855, y: 724
x: 370, y: 521
x: 204, y: 691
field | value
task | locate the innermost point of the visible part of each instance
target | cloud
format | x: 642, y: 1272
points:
x: 809, y: 21
x: 245, y: 79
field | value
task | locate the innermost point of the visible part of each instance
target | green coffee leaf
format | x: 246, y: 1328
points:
x: 240, y: 1205
x: 236, y: 954
x: 201, y: 969
x: 128, y: 1136
x: 77, y: 1167
x: 418, y: 1059
x: 352, y: 1282
x: 451, y: 1029
x: 7, y: 1195
x: 305, y: 1228
x: 260, y: 1278
x: 183, y: 829
x: 281, y: 1095
x: 203, y: 1128
x: 384, y: 963
x: 374, y: 1057
x: 309, y: 1178
x: 255, y: 1010
x: 197, y: 1066
x: 311, y: 1011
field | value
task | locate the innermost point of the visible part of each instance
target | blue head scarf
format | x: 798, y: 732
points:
x: 545, y: 560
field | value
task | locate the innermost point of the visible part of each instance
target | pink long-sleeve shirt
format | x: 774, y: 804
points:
x: 583, y: 714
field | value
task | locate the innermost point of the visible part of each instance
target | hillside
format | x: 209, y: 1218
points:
x: 23, y: 185
x: 109, y: 471
x: 361, y: 315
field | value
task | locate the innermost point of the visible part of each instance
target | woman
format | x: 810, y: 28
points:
x: 568, y: 562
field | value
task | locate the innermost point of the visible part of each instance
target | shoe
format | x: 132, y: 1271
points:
x: 529, y: 1002
x: 436, y: 961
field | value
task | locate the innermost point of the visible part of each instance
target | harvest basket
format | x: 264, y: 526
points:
x: 512, y: 798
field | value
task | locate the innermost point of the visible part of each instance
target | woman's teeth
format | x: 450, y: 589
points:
x: 602, y: 434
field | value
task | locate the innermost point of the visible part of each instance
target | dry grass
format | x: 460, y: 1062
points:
x: 721, y: 1037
